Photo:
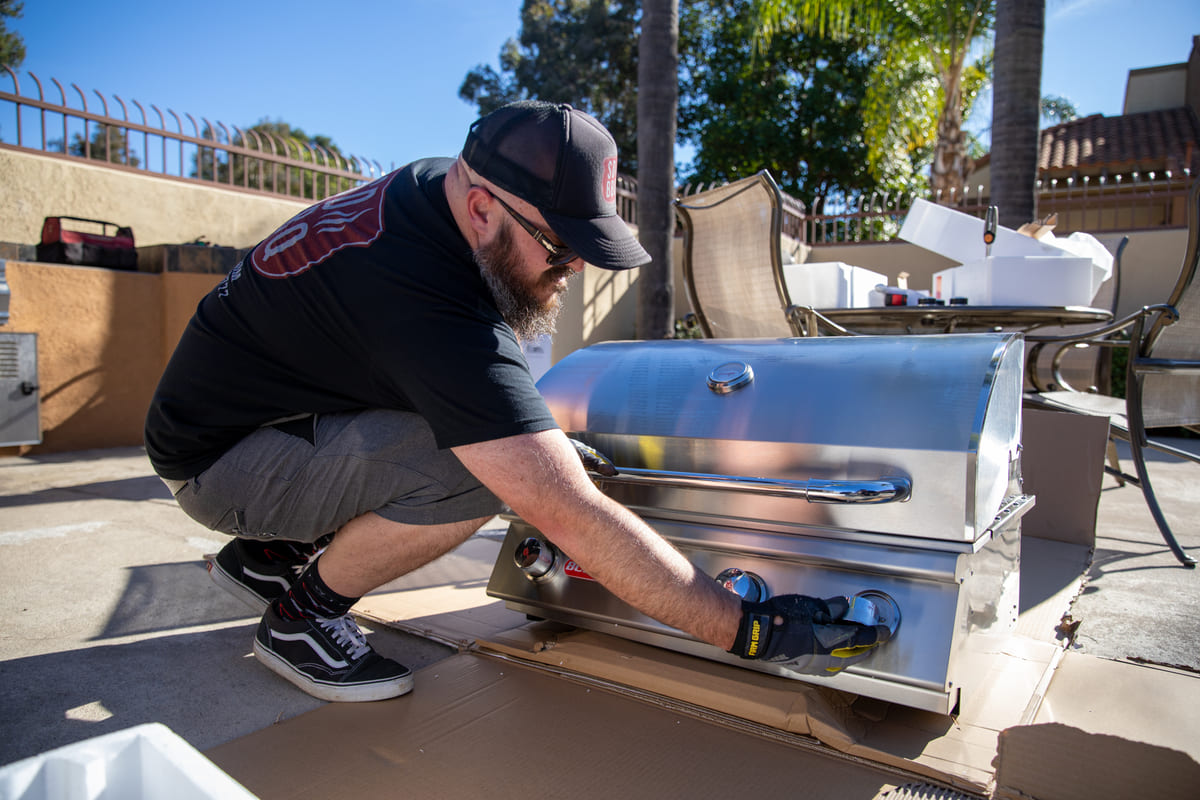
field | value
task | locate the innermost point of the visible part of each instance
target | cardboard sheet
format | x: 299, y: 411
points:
x: 448, y: 602
x: 479, y: 727
x: 1106, y: 729
x: 1062, y: 463
x: 957, y: 751
x: 1051, y: 578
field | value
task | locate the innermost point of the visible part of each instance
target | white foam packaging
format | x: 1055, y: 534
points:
x: 831, y: 284
x: 145, y: 761
x: 1019, y: 271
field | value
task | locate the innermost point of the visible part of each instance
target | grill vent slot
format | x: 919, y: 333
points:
x: 9, y: 364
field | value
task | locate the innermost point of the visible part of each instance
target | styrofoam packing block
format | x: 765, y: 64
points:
x: 145, y: 761
x: 831, y: 284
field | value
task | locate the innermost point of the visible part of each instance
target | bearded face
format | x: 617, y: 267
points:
x: 518, y: 295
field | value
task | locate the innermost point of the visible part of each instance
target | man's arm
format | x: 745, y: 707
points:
x: 540, y: 477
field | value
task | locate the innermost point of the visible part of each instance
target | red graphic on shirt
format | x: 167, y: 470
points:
x: 610, y: 180
x: 349, y: 219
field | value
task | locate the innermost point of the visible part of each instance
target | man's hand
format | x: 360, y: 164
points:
x: 805, y: 634
x: 593, y: 460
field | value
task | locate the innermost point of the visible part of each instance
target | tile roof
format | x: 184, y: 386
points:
x: 1165, y: 139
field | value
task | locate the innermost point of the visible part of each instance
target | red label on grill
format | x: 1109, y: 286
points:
x: 573, y: 570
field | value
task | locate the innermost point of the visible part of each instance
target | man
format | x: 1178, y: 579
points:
x: 355, y: 388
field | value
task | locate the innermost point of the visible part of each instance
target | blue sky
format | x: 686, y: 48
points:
x: 381, y: 77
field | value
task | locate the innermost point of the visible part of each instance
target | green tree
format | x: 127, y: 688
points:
x: 107, y: 143
x: 942, y: 34
x: 1057, y: 110
x: 12, y: 46
x: 281, y: 139
x: 582, y: 52
x: 794, y: 108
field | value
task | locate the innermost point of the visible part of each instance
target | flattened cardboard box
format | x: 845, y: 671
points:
x: 1106, y: 729
x: 480, y: 727
x: 450, y: 606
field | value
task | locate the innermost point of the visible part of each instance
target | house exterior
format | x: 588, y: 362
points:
x: 1124, y: 173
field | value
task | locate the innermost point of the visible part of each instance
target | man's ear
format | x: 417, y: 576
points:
x: 481, y: 211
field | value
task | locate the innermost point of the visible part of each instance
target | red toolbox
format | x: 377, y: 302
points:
x: 112, y: 246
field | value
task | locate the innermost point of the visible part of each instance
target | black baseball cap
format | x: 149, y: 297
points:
x: 563, y: 162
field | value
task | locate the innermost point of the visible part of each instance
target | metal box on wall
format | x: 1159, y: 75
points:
x: 20, y: 422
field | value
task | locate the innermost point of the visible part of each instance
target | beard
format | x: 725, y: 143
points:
x: 516, y: 297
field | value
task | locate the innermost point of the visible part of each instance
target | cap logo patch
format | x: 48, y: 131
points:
x: 610, y: 180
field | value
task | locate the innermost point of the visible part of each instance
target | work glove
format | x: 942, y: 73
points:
x: 593, y: 460
x: 805, y: 634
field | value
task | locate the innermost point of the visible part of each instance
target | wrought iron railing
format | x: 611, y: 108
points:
x: 254, y: 159
x: 259, y: 159
x: 1115, y: 202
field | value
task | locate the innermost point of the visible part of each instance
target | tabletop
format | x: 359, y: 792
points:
x: 949, y: 319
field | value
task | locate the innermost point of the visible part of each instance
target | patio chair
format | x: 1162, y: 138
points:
x: 1162, y: 384
x: 732, y: 262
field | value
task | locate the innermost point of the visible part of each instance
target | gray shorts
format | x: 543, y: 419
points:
x: 276, y: 484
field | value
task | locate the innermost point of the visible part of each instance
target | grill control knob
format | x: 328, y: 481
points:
x: 745, y: 585
x: 534, y: 557
x: 874, y: 607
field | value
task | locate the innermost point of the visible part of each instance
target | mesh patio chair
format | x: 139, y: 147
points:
x: 1162, y: 384
x: 732, y: 263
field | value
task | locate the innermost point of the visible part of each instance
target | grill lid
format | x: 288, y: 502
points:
x: 909, y: 435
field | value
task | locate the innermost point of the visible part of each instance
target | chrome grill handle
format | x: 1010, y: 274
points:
x: 862, y: 492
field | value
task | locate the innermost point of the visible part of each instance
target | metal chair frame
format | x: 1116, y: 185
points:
x: 1178, y: 368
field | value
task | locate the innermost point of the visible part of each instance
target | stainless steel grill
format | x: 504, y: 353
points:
x: 815, y: 466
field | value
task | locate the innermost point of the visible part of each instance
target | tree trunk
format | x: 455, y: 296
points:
x: 948, y: 173
x: 1016, y: 104
x: 658, y: 99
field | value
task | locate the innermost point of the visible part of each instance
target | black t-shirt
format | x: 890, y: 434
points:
x: 369, y: 299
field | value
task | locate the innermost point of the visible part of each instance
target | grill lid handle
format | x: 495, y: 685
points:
x: 865, y: 492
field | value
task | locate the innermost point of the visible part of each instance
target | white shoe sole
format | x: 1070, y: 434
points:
x: 334, y: 693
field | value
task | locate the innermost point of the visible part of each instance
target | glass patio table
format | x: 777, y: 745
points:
x: 962, y: 319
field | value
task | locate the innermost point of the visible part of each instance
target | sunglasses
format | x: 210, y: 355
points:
x: 558, y: 254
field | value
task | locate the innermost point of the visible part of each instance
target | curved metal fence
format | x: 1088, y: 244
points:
x: 259, y: 159
x: 254, y: 158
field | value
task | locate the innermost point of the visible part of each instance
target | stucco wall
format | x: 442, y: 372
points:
x: 105, y: 335
x: 99, y: 341
x: 160, y: 210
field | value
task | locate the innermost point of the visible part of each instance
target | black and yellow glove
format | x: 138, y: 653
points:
x: 805, y: 634
x: 593, y: 460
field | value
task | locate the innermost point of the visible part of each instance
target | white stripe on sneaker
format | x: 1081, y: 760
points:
x: 334, y: 663
x: 284, y: 582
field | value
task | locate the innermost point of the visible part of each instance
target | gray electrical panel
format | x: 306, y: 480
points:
x: 20, y: 422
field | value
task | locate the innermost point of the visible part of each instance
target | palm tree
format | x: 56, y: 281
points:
x: 658, y: 99
x: 946, y: 31
x: 1016, y: 108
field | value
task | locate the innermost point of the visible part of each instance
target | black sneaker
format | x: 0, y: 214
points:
x: 255, y: 583
x: 328, y: 658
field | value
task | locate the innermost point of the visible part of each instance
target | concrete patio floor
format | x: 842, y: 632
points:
x: 110, y: 619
